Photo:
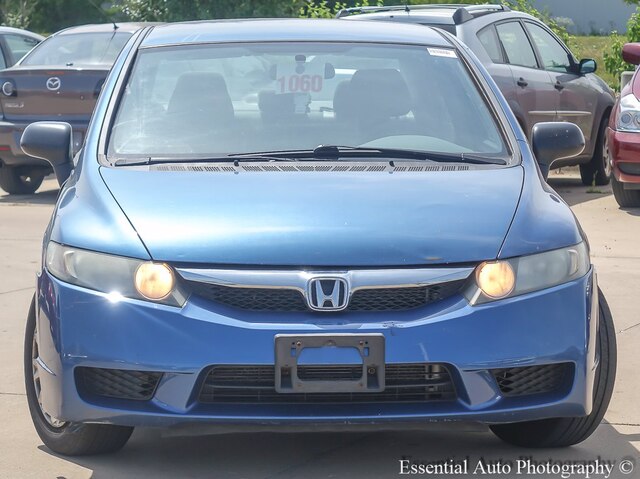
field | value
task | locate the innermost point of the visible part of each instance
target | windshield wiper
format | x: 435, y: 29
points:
x: 144, y: 161
x: 335, y: 152
x: 323, y: 152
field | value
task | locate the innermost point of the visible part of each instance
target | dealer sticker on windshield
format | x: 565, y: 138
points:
x: 442, y: 52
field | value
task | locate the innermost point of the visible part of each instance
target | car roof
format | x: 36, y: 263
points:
x: 5, y: 30
x: 128, y: 27
x: 273, y: 30
x: 450, y: 14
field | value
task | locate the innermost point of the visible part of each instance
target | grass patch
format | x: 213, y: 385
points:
x: 595, y: 47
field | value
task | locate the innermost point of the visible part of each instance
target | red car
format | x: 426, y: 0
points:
x: 623, y: 136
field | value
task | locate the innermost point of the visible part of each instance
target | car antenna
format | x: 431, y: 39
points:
x: 104, y: 14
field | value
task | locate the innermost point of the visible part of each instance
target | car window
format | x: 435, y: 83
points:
x: 516, y: 44
x: 215, y: 100
x: 489, y: 40
x: 553, y: 55
x: 3, y: 64
x: 78, y: 49
x: 20, y: 45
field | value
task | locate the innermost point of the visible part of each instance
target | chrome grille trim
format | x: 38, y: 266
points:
x: 299, y: 279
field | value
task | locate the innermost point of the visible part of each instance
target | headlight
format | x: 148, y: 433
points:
x: 114, y: 275
x: 154, y: 281
x: 495, y: 279
x: 628, y: 118
x: 506, y: 278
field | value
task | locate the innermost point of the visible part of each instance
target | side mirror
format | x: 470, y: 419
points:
x: 587, y: 65
x: 51, y: 141
x: 553, y: 141
x: 631, y: 53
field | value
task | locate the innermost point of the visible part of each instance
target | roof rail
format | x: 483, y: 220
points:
x: 463, y: 12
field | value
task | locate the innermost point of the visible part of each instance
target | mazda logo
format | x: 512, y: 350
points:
x: 53, y: 84
x: 328, y: 294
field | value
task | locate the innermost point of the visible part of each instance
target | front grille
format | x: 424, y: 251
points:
x: 117, y: 383
x: 529, y: 380
x: 292, y: 300
x: 256, y: 384
x: 251, y: 299
x: 395, y: 299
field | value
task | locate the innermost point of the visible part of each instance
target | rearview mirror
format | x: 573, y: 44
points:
x: 588, y: 65
x: 51, y: 141
x: 553, y: 141
x: 631, y: 53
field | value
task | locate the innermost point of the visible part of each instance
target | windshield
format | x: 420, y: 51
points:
x: 79, y: 49
x: 215, y: 100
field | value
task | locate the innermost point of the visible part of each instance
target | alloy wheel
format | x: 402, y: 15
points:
x: 605, y: 156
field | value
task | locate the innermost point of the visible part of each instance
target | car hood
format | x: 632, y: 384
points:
x: 319, y: 218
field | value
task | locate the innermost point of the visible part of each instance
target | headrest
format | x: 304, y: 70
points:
x: 342, y: 101
x: 204, y: 94
x: 381, y: 93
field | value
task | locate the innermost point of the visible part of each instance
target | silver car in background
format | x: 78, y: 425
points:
x: 14, y: 44
x: 537, y: 73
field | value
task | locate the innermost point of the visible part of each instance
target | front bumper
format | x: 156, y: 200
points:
x: 624, y: 154
x: 80, y: 328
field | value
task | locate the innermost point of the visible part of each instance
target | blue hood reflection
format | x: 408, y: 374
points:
x: 319, y: 218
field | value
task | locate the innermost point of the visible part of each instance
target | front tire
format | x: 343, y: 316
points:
x: 20, y: 181
x: 625, y: 198
x: 563, y: 432
x: 69, y: 439
x: 598, y: 170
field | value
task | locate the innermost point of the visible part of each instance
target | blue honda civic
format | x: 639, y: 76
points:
x: 293, y: 223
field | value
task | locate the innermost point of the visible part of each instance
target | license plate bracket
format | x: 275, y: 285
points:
x: 288, y: 348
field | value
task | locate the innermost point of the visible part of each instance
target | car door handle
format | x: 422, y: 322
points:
x: 522, y: 82
x: 558, y: 86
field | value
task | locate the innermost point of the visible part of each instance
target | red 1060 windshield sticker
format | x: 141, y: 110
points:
x: 300, y: 78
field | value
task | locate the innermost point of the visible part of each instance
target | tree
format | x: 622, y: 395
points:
x: 52, y: 15
x: 613, y: 61
x: 16, y: 13
x: 181, y: 10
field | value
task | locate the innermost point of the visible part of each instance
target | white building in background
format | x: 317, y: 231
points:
x: 589, y: 16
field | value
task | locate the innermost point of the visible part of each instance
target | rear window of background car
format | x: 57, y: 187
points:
x: 516, y: 44
x: 489, y: 40
x: 19, y: 45
x: 79, y: 49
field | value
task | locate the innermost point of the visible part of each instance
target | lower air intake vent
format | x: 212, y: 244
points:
x: 320, y: 373
x: 532, y: 379
x: 117, y: 383
x: 256, y: 384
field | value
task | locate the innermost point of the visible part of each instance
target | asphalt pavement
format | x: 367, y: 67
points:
x: 614, y: 236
